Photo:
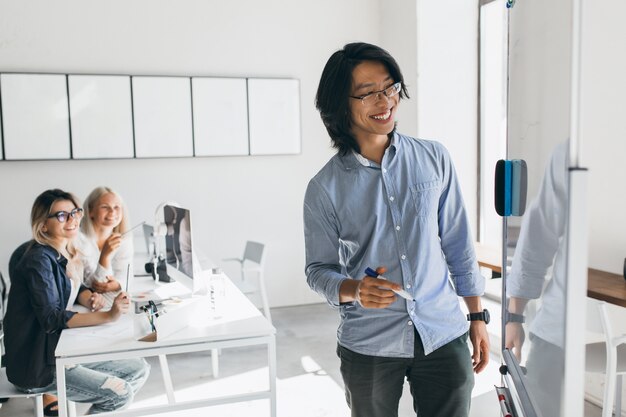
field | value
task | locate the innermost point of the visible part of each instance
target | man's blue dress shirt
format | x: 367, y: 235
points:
x: 408, y: 216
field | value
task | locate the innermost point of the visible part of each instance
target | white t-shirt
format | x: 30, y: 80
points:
x: 93, y: 271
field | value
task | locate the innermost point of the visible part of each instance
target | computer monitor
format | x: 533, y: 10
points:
x: 179, y: 257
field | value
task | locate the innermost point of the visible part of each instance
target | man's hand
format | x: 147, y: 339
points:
x: 480, y: 341
x: 369, y: 292
x: 374, y: 292
x: 514, y: 340
x: 111, y: 284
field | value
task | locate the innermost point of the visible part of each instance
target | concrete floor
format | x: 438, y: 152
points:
x: 308, y: 380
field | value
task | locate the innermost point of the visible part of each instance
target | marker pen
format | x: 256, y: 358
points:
x: 132, y: 228
x: 402, y: 293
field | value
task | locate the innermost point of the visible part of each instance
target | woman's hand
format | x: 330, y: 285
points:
x: 120, y: 306
x: 111, y: 245
x: 110, y: 285
x: 96, y: 301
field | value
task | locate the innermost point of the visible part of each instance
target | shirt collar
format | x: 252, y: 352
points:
x: 353, y: 159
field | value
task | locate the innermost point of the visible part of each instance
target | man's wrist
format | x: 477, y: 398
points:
x: 348, y: 290
x: 514, y: 318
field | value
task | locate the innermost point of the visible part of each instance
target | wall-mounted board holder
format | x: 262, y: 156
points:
x: 510, y: 187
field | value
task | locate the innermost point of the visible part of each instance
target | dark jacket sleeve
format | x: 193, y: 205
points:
x: 41, y: 277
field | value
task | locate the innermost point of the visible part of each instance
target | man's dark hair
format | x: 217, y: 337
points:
x: 333, y: 93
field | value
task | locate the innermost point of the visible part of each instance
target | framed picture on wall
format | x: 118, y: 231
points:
x: 35, y: 116
x: 220, y: 116
x: 101, y: 116
x: 274, y: 115
x: 162, y: 112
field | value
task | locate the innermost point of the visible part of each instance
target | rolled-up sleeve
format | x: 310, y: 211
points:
x: 321, y: 236
x: 455, y: 234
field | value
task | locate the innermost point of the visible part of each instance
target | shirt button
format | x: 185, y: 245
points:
x: 408, y: 285
x: 384, y: 171
x: 403, y: 257
x: 397, y: 227
x: 410, y: 323
x: 391, y: 198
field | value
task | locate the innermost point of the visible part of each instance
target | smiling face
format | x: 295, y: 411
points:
x: 61, y: 232
x: 375, y: 121
x: 107, y: 212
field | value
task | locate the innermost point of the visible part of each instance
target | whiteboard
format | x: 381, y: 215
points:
x: 101, y: 116
x: 162, y: 111
x: 274, y: 106
x: 35, y: 116
x: 220, y: 116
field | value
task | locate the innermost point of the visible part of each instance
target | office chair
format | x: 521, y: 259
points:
x: 608, y: 357
x: 252, y: 263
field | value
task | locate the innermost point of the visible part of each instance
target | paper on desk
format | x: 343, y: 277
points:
x: 172, y: 289
x: 120, y: 328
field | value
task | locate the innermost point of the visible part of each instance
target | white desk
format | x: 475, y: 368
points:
x: 241, y: 324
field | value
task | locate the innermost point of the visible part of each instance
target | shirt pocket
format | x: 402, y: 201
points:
x: 426, y: 197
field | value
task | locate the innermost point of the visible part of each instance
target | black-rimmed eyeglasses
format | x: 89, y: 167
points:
x: 374, y: 96
x: 63, y: 216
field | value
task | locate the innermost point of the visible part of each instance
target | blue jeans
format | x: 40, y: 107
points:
x: 108, y: 385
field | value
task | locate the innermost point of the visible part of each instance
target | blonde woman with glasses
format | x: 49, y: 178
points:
x: 107, y: 252
x: 46, y: 281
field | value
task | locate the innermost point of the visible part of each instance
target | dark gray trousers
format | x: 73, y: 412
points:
x: 441, y: 382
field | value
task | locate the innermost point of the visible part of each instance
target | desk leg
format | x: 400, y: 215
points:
x: 167, y: 379
x: 62, y: 395
x: 271, y: 353
x: 215, y: 362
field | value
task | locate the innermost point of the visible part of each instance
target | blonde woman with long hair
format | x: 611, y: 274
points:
x: 106, y: 252
x: 46, y: 281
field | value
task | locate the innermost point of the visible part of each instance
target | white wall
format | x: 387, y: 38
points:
x: 447, y: 66
x: 398, y: 33
x: 603, y: 130
x: 233, y: 198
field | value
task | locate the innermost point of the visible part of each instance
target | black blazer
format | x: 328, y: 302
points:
x: 36, y: 314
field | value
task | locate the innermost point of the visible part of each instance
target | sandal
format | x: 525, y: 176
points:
x: 48, y: 410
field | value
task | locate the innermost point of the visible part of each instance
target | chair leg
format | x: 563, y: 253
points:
x: 38, y: 405
x: 167, y: 379
x: 618, y: 396
x: 215, y: 357
x: 266, y: 305
x: 609, y: 389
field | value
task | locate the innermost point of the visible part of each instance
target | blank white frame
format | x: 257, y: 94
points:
x: 101, y: 116
x: 274, y: 116
x: 220, y: 116
x: 162, y: 112
x: 1, y: 140
x: 35, y: 116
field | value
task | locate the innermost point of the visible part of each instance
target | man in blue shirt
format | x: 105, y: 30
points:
x: 392, y: 202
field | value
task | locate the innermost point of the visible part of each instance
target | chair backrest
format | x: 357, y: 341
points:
x: 598, y: 320
x: 254, y: 252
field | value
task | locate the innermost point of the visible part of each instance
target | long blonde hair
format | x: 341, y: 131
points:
x: 90, y: 203
x: 38, y: 217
